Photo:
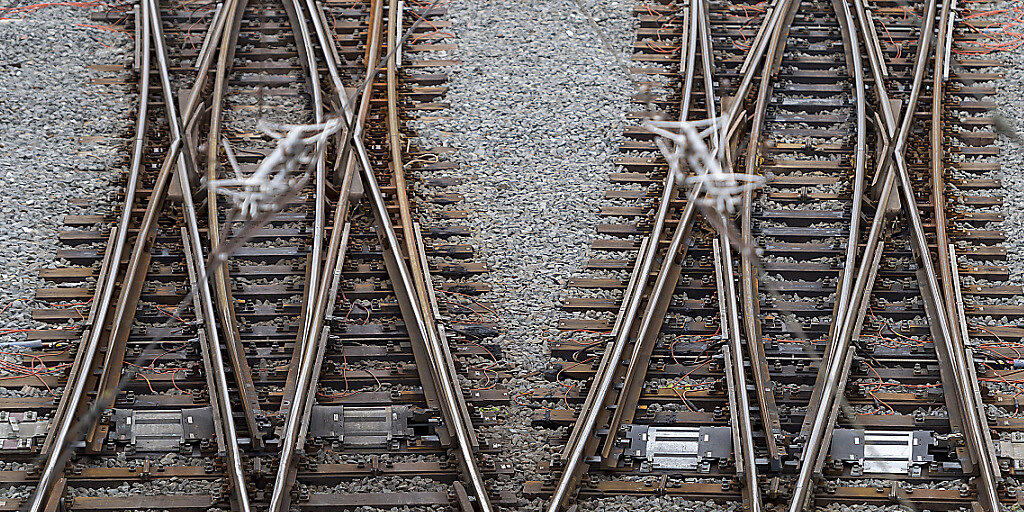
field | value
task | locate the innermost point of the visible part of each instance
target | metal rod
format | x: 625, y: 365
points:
x: 753, y: 490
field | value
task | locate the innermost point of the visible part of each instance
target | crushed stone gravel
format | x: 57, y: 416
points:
x: 537, y: 112
x: 58, y: 138
x: 1010, y: 106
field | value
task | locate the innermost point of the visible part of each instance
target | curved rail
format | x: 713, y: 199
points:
x: 318, y: 301
x: 802, y: 487
x: 581, y: 443
x: 236, y: 475
x: 836, y: 355
x: 222, y: 294
x: 70, y: 425
x: 75, y: 391
x: 407, y: 283
x: 844, y: 297
x: 982, y: 450
x: 957, y: 379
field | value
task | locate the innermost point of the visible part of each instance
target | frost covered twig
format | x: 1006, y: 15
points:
x: 693, y: 163
x: 285, y: 169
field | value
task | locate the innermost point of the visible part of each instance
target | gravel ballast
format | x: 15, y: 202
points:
x: 58, y: 140
x: 1010, y: 106
x: 537, y: 112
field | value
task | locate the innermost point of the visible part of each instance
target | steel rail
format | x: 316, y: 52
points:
x: 205, y: 349
x: 236, y: 474
x: 574, y: 453
x: 770, y: 47
x: 310, y: 336
x: 706, y: 48
x: 754, y: 57
x: 851, y: 43
x: 417, y: 264
x: 974, y: 420
x: 420, y: 342
x: 438, y: 355
x: 748, y: 264
x: 802, y: 487
x: 320, y: 165
x: 439, y: 367
x: 650, y: 323
x: 949, y: 275
x: 254, y: 415
x: 761, y: 56
x: 105, y: 273
x: 573, y: 468
x: 752, y: 490
x: 439, y: 359
x: 154, y: 207
x: 395, y: 142
x: 767, y: 22
x: 950, y: 348
x: 937, y: 178
x: 329, y: 49
x: 845, y: 289
x: 74, y: 392
x: 111, y: 370
x: 662, y: 290
x: 961, y: 326
x: 835, y: 360
x: 345, y: 162
x: 307, y: 57
x: 138, y: 266
x: 957, y: 376
x: 138, y: 262
x: 689, y: 57
x: 208, y: 38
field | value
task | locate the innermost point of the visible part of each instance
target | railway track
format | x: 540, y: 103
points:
x: 325, y: 350
x: 844, y: 333
x: 905, y: 398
